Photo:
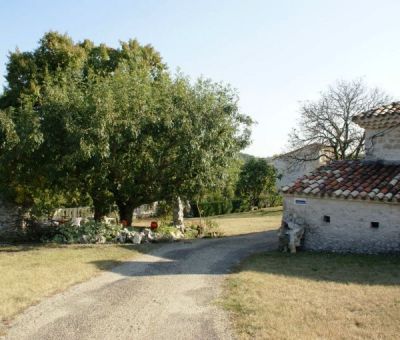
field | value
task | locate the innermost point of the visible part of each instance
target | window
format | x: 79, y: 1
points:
x: 374, y: 224
x: 327, y: 219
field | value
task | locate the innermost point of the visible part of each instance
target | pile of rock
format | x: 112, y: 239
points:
x: 147, y: 236
x: 135, y: 237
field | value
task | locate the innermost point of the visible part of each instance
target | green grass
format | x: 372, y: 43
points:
x: 315, y: 296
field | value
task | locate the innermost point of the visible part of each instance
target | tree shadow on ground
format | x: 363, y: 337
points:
x: 382, y: 269
x: 248, y: 253
x: 17, y: 248
x: 197, y: 257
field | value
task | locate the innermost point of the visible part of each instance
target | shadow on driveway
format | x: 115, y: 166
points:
x: 197, y: 257
x: 221, y: 256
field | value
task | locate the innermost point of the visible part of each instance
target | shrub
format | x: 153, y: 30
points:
x: 89, y: 232
x: 211, y: 229
x: 164, y: 209
x: 212, y: 208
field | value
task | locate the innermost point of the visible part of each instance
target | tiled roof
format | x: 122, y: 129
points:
x: 379, y: 117
x: 351, y: 180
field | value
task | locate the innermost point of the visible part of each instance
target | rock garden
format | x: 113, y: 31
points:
x: 91, y: 232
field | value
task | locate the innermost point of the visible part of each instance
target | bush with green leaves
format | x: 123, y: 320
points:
x: 89, y: 232
x: 207, y: 228
x: 212, y: 229
x: 164, y: 210
x: 212, y: 208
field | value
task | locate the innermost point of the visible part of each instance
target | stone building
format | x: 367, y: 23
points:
x: 294, y: 164
x: 353, y: 205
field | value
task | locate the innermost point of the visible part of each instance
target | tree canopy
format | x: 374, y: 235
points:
x: 112, y: 124
x: 257, y: 182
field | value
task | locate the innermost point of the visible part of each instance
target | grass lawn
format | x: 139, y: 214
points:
x: 237, y: 223
x: 247, y: 222
x: 28, y: 273
x: 315, y: 296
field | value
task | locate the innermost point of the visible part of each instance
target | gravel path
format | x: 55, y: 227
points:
x: 168, y: 294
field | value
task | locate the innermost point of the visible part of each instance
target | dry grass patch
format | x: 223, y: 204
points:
x: 236, y: 223
x: 29, y: 273
x: 247, y: 222
x: 316, y: 296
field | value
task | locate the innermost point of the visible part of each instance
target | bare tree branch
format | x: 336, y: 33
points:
x: 328, y: 121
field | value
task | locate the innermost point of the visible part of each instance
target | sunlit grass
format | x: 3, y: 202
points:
x: 247, y: 222
x: 29, y: 273
x: 315, y: 296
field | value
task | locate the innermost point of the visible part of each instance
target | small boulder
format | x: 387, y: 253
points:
x: 84, y: 239
x: 177, y: 235
x: 137, y: 238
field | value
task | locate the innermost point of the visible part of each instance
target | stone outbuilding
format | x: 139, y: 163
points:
x: 353, y: 206
x: 292, y: 165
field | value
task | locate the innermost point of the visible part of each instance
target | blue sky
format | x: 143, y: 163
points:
x: 276, y: 53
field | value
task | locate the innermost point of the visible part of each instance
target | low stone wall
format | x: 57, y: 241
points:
x: 349, y: 228
x: 10, y: 219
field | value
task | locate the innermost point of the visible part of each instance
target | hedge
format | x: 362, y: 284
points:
x: 211, y: 208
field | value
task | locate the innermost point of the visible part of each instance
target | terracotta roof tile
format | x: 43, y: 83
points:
x: 356, y: 180
x: 379, y: 117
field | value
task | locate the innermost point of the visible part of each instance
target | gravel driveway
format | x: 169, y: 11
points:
x: 168, y: 294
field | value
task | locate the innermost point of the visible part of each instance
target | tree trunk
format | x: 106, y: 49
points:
x: 178, y: 214
x: 198, y: 209
x: 99, y: 210
x: 125, y: 213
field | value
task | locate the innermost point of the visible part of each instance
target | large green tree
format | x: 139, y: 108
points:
x: 113, y: 124
x: 257, y: 182
x: 208, y: 133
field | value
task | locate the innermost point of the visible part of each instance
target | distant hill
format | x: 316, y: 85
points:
x: 245, y: 157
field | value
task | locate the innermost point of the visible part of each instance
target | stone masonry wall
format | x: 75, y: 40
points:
x: 350, y: 228
x: 290, y: 172
x: 10, y: 216
x: 383, y: 147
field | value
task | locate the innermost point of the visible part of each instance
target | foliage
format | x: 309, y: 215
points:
x: 89, y: 232
x: 240, y: 205
x: 328, y: 120
x: 210, y: 208
x: 112, y: 124
x: 256, y: 183
x: 212, y: 229
x: 222, y: 207
x: 209, y: 132
x: 164, y: 210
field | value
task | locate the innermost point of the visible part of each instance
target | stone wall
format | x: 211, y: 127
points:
x: 382, y: 144
x: 292, y: 165
x: 290, y: 170
x: 349, y: 229
x: 10, y: 217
